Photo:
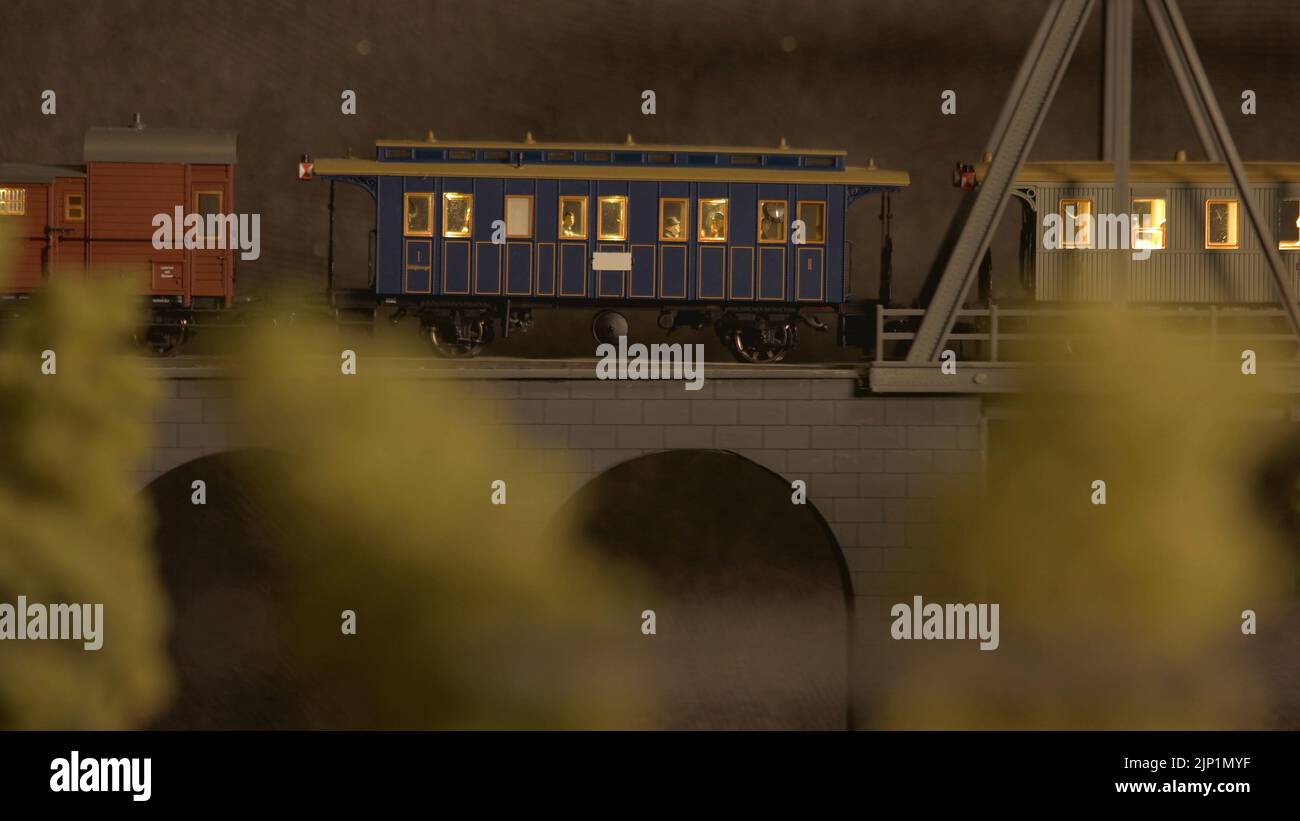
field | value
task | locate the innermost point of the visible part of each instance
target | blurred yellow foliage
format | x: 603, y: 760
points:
x: 464, y: 619
x: 73, y: 528
x: 1123, y: 614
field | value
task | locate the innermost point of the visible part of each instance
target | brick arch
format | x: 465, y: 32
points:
x: 752, y: 593
x: 192, y: 419
x: 870, y: 462
x: 218, y: 568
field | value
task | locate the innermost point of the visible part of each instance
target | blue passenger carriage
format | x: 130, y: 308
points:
x: 470, y: 235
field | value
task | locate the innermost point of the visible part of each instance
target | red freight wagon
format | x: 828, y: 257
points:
x: 102, y: 215
x: 43, y: 211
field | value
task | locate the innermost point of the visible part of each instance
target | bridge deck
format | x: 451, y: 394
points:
x: 487, y: 367
x: 875, y: 378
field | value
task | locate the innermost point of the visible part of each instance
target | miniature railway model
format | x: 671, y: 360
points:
x: 750, y: 240
x: 1189, y: 217
x: 100, y: 216
x: 472, y: 237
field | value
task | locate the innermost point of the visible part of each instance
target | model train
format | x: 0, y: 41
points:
x: 749, y: 240
x: 471, y: 237
x: 1191, y: 219
x: 101, y: 216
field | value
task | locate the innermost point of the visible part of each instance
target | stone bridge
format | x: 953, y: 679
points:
x: 870, y: 461
x: 865, y: 459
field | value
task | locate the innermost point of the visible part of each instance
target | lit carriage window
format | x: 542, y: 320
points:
x: 559, y: 156
x: 462, y: 154
x: 713, y: 220
x: 457, y: 214
x: 596, y: 156
x: 1289, y: 235
x: 74, y: 208
x: 745, y: 159
x: 573, y: 217
x: 1149, y: 230
x: 771, y: 220
x: 519, y: 215
x: 1220, y: 223
x: 207, y: 204
x: 419, y: 215
x: 673, y: 219
x: 813, y: 215
x: 496, y: 155
x: 613, y: 218
x: 658, y: 157
x: 1076, y: 223
x: 13, y: 202
x: 818, y: 162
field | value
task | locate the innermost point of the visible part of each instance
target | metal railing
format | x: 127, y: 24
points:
x: 992, y: 329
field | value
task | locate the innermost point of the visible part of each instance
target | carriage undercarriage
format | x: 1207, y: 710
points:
x: 464, y: 329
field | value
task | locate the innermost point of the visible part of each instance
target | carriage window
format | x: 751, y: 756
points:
x: 813, y: 215
x: 713, y: 220
x: 519, y: 215
x: 573, y: 217
x: 673, y: 219
x: 457, y: 214
x: 613, y: 218
x: 206, y: 204
x: 771, y: 220
x: 74, y: 208
x: 13, y: 202
x: 1220, y: 223
x: 1076, y: 223
x: 1149, y: 230
x: 1289, y: 235
x: 419, y: 215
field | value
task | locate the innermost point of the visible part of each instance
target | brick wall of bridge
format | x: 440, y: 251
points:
x: 869, y: 462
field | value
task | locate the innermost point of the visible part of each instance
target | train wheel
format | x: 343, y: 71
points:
x: 761, y: 344
x: 608, y: 326
x: 161, y: 340
x: 457, y: 340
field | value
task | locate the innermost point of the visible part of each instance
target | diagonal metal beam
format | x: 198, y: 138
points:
x: 1184, y: 50
x: 1046, y: 63
x: 1022, y: 77
x: 1117, y: 141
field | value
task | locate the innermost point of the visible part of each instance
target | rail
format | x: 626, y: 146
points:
x: 995, y: 331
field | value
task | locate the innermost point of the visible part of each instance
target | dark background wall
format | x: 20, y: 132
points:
x: 864, y: 76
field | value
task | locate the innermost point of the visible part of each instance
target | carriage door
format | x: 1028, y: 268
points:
x: 808, y: 277
x: 211, y: 266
